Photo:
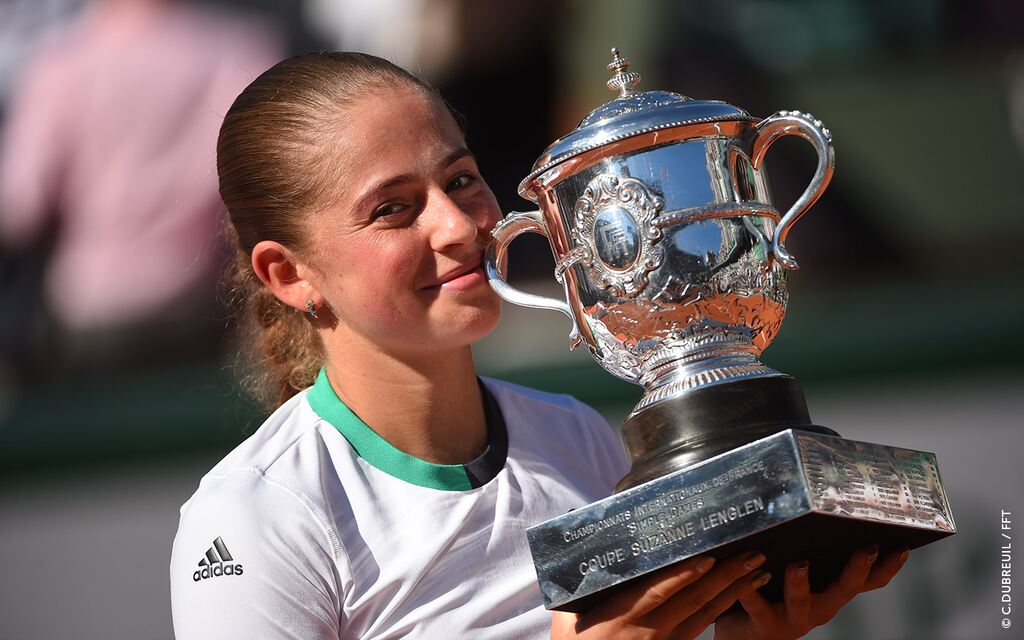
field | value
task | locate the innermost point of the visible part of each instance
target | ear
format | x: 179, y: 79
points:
x: 282, y: 273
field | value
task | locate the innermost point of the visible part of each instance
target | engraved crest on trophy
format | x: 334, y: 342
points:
x: 613, y: 223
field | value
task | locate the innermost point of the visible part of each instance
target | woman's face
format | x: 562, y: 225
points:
x: 397, y: 255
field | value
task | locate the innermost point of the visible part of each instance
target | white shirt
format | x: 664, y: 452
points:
x: 343, y: 536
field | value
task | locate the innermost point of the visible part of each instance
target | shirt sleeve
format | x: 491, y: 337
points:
x: 254, y: 559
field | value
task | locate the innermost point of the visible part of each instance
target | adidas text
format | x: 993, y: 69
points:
x: 219, y: 569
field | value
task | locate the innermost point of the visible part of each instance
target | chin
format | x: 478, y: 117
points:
x: 474, y: 324
x: 485, y: 324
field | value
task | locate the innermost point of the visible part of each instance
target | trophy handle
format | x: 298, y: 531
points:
x: 514, y: 225
x: 794, y: 123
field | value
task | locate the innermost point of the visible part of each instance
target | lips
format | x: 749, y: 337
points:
x: 465, y: 274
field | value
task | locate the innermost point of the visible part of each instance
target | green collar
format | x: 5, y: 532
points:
x: 381, y: 454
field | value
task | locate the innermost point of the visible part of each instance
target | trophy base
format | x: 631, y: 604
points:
x: 793, y: 495
x: 681, y: 431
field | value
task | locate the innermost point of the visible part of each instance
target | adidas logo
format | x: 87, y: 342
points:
x: 214, y: 563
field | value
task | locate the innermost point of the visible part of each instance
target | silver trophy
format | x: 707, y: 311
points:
x: 673, y: 260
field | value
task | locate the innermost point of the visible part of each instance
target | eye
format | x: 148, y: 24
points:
x: 389, y: 209
x: 462, y: 181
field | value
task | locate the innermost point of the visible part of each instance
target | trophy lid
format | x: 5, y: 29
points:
x: 632, y: 113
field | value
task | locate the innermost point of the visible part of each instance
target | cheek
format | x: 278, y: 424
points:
x: 378, y: 279
x: 491, y: 213
x: 393, y: 267
x: 483, y: 206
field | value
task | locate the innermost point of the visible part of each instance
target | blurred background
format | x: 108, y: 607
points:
x: 117, y: 386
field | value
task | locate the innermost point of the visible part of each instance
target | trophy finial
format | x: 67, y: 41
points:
x: 624, y: 81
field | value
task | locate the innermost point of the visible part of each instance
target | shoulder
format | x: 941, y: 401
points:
x: 50, y: 63
x: 264, y: 480
x: 536, y: 401
x: 281, y: 432
x: 558, y: 427
x: 253, y: 533
x: 269, y: 470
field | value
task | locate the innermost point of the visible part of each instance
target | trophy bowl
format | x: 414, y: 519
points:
x: 673, y: 261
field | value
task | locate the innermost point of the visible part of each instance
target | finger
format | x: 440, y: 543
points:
x: 849, y: 584
x: 764, y: 617
x: 562, y: 622
x: 758, y: 608
x: 654, y: 590
x: 885, y: 569
x: 743, y: 587
x: 797, y: 595
x: 694, y: 597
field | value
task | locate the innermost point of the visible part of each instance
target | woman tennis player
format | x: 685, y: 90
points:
x: 388, y: 494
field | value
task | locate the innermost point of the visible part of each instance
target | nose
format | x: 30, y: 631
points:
x: 451, y: 224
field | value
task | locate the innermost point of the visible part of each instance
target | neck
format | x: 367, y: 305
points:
x: 428, y: 405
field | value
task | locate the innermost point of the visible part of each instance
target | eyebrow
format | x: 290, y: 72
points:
x: 451, y: 158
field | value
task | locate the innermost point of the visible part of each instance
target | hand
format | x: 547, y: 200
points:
x: 677, y: 602
x: 800, y: 611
